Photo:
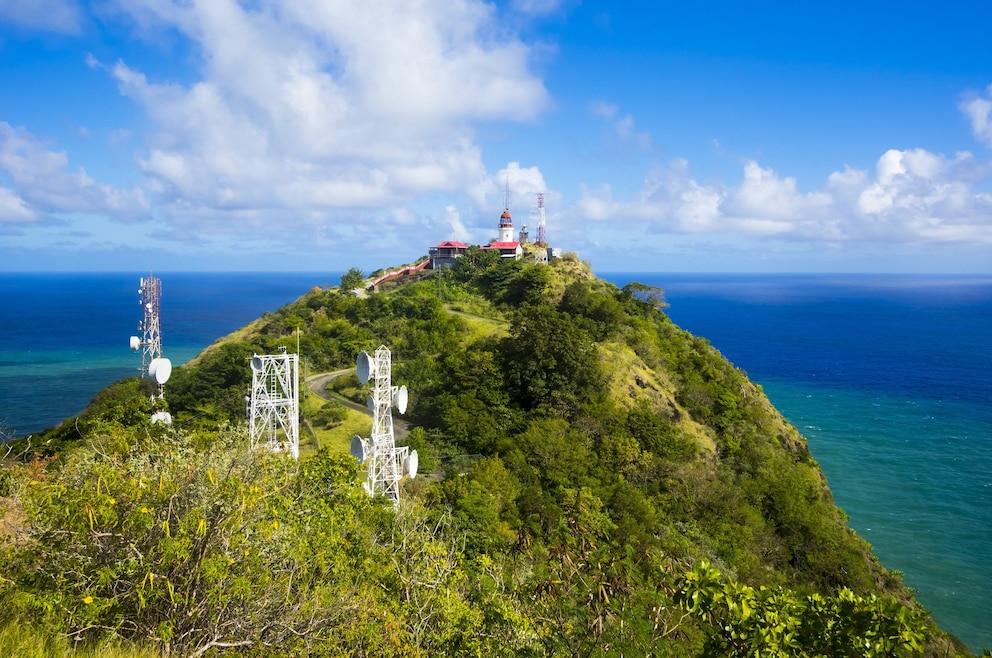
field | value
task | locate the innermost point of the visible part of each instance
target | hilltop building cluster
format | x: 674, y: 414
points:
x: 446, y: 253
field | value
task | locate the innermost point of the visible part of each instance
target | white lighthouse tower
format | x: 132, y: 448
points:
x: 505, y: 223
x: 505, y: 227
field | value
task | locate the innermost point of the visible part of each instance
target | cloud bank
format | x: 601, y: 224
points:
x: 913, y: 196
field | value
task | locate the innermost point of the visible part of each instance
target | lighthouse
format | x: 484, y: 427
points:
x: 505, y: 227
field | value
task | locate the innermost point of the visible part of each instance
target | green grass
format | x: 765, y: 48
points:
x: 26, y: 642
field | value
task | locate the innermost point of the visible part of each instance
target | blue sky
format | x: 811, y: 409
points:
x: 293, y: 135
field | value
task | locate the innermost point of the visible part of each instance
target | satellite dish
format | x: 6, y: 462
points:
x: 163, y: 417
x: 162, y: 372
x: 400, y: 398
x: 152, y: 366
x: 256, y: 363
x: 135, y: 342
x: 411, y: 465
x: 358, y: 449
x: 364, y: 367
x: 370, y: 403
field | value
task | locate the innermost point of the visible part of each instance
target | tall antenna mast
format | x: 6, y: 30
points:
x: 274, y: 404
x: 542, y: 238
x: 150, y: 341
x: 386, y: 462
x: 506, y: 194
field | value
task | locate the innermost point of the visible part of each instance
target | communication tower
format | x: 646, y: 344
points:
x: 542, y: 239
x: 386, y: 463
x: 150, y: 341
x: 274, y: 404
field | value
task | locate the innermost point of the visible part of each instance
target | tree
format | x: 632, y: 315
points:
x: 353, y: 278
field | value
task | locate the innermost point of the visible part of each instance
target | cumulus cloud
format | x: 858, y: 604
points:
x: 978, y: 109
x: 45, y: 184
x: 326, y: 110
x: 13, y: 208
x: 62, y: 16
x: 914, y: 196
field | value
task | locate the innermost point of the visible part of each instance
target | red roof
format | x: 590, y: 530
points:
x: 504, y: 245
x: 451, y: 244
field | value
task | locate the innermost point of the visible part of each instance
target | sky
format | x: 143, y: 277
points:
x: 293, y: 135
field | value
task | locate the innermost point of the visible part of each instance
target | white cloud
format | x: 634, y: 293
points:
x: 915, y: 196
x: 978, y: 109
x: 62, y: 16
x: 324, y: 109
x: 13, y: 209
x: 45, y: 184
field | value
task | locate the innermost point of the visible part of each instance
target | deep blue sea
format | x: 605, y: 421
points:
x: 888, y: 377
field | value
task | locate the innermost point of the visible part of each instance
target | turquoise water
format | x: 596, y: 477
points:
x: 890, y: 380
x: 913, y: 475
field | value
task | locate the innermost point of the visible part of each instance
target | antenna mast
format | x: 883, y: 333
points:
x: 150, y: 341
x: 542, y: 239
x: 386, y: 462
x: 274, y: 405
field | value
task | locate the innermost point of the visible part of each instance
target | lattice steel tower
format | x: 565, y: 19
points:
x: 542, y: 238
x: 150, y: 341
x: 274, y: 405
x: 386, y: 462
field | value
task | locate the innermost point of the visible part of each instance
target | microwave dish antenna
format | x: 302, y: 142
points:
x: 386, y: 463
x: 364, y: 367
x: 274, y: 403
x: 359, y: 448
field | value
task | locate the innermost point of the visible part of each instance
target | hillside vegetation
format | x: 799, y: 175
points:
x: 598, y: 482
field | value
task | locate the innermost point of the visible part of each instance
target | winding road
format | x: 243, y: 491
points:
x: 318, y: 385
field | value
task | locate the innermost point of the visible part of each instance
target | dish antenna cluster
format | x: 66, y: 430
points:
x: 150, y: 341
x: 274, y: 404
x: 386, y: 463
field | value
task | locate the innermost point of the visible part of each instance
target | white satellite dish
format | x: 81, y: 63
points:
x: 256, y: 363
x: 370, y: 403
x: 400, y: 398
x: 359, y: 450
x: 135, y: 343
x: 152, y: 367
x: 163, y: 417
x: 364, y: 367
x: 412, y: 463
x: 162, y: 372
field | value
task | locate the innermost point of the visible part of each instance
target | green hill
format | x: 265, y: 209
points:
x: 598, y: 482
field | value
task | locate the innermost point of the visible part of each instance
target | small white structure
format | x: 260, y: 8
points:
x: 386, y: 463
x: 274, y: 404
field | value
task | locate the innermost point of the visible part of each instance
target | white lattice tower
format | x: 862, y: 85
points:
x: 274, y: 405
x: 385, y: 460
x: 150, y: 328
x: 542, y: 238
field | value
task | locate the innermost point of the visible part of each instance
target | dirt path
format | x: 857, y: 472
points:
x: 318, y: 384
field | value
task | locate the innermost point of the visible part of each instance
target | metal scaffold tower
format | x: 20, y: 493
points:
x: 150, y: 341
x: 542, y: 238
x: 386, y: 463
x: 274, y: 404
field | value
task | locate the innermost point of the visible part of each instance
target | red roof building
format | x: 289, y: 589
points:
x: 444, y: 255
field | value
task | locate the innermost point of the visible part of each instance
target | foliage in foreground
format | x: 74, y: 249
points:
x: 190, y: 548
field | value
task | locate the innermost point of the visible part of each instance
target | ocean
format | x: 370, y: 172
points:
x: 890, y: 380
x: 888, y: 377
